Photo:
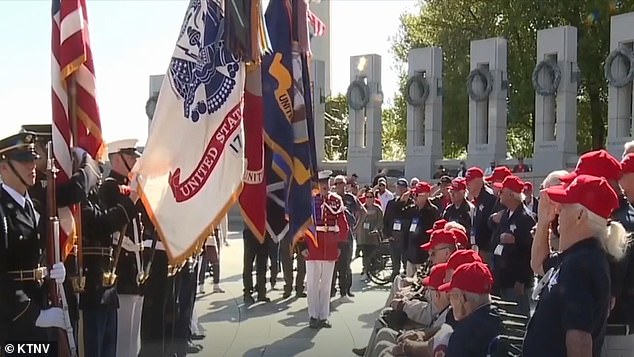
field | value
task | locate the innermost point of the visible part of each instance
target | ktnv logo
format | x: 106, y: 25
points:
x: 31, y: 349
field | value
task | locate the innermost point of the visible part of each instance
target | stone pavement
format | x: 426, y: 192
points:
x: 280, y: 328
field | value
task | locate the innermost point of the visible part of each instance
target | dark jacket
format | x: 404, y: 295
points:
x: 484, y: 205
x: 513, y: 264
x: 424, y: 219
x: 98, y: 225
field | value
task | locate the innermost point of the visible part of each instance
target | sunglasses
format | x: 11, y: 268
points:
x: 369, y: 196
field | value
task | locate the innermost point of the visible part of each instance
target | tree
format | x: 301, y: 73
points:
x: 452, y: 24
x: 336, y: 127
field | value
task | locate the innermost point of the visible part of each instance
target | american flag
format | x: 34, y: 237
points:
x: 72, y: 67
x: 319, y: 28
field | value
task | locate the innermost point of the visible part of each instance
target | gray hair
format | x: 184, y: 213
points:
x: 454, y: 224
x: 628, y: 148
x: 520, y: 196
x: 553, y: 178
x: 477, y: 299
x: 613, y: 237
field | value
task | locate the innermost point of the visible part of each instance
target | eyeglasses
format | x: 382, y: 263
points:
x: 433, y: 251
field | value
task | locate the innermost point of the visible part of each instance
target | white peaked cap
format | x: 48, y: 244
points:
x: 116, y: 146
x: 324, y: 174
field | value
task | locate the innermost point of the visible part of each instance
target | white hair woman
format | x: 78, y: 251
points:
x: 553, y: 179
x: 570, y: 318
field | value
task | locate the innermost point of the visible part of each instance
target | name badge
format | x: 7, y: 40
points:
x: 412, y: 227
x: 498, y: 250
x: 397, y: 226
x: 366, y: 225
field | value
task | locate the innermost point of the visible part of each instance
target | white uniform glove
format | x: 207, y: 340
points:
x: 58, y: 273
x: 53, y: 317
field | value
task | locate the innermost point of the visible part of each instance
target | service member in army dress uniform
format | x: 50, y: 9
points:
x: 99, y: 301
x: 68, y: 193
x: 24, y: 309
x: 123, y: 155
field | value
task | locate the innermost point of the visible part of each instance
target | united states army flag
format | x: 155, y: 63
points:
x: 192, y: 165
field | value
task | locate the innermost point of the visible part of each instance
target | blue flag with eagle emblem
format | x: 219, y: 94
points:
x: 286, y: 123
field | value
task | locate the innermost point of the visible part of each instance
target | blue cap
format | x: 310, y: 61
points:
x: 18, y: 147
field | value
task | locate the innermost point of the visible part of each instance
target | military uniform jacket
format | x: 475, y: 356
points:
x: 21, y: 248
x: 127, y: 268
x: 99, y: 223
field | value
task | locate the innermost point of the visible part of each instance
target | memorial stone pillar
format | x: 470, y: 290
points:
x: 555, y: 79
x: 619, y: 70
x: 319, y: 107
x: 424, y: 112
x: 364, y: 133
x: 487, y: 84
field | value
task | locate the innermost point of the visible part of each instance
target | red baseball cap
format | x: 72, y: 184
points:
x: 528, y: 186
x: 440, y: 236
x: 471, y: 277
x: 460, y: 257
x: 458, y: 184
x: 627, y: 164
x: 436, y: 276
x: 596, y: 163
x: 592, y: 192
x: 512, y: 183
x: 439, y: 224
x: 461, y: 238
x: 422, y: 187
x: 473, y: 173
x: 499, y: 174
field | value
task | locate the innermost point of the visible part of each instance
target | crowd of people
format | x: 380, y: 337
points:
x: 470, y: 252
x: 467, y: 254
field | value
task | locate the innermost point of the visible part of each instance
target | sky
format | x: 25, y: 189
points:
x: 133, y: 39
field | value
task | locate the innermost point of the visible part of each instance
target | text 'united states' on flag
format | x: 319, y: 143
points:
x: 192, y: 167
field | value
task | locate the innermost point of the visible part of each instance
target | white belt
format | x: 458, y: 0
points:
x: 148, y: 244
x: 327, y: 229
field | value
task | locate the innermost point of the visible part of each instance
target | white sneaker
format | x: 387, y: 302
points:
x: 218, y: 289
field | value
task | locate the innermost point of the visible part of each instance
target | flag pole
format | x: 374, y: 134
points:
x: 81, y: 280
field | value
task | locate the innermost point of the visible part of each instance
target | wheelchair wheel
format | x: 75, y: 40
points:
x: 380, y: 271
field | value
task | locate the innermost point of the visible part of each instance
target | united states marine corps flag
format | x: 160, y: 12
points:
x: 192, y: 167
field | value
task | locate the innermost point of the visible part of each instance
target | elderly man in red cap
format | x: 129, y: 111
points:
x: 570, y: 318
x: 460, y: 210
x: 600, y: 163
x: 390, y: 342
x: 484, y: 201
x: 424, y: 216
x: 512, y: 253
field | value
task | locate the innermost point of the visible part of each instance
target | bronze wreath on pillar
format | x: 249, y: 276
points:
x: 486, y: 78
x: 422, y: 86
x: 628, y: 57
x: 553, y: 68
x: 360, y: 88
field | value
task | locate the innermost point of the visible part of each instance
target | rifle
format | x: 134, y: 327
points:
x: 66, y: 338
